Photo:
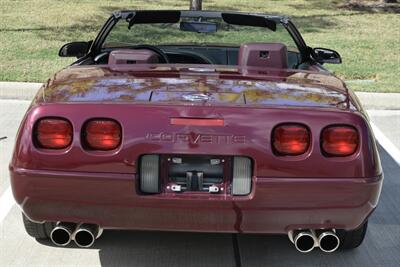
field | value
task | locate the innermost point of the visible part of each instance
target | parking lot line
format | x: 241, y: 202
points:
x: 6, y: 203
x: 386, y: 143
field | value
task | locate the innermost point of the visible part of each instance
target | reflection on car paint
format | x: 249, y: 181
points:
x: 289, y: 88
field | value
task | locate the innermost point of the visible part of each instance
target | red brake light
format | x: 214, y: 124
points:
x: 197, y: 122
x: 102, y: 134
x: 53, y: 133
x: 290, y: 139
x: 339, y: 141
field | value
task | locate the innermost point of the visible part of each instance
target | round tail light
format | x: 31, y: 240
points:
x: 339, y: 141
x: 53, y: 133
x: 102, y: 134
x: 290, y: 139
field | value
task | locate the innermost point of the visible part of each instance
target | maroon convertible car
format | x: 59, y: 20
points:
x: 197, y: 121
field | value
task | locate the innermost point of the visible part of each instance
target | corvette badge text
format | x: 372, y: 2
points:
x: 193, y: 138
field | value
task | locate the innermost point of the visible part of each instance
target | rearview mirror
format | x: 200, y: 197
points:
x: 324, y: 55
x: 198, y: 26
x: 74, y: 49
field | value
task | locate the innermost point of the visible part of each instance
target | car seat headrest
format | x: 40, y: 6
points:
x: 132, y: 56
x: 270, y: 55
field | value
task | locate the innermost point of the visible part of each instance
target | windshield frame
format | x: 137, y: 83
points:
x: 171, y: 16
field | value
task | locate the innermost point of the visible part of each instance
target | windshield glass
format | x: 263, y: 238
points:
x: 167, y: 33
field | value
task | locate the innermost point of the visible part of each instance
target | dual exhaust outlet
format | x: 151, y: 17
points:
x: 306, y: 240
x: 83, y: 234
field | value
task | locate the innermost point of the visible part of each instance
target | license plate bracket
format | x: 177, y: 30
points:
x: 196, y: 173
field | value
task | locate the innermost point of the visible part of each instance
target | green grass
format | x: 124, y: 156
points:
x: 31, y: 33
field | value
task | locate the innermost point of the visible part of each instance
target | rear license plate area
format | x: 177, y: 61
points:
x: 195, y: 174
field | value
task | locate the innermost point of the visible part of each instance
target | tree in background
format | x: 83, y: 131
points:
x: 195, y: 4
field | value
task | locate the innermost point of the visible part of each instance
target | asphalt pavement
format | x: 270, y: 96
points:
x: 134, y: 248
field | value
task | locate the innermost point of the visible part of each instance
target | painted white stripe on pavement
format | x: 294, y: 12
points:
x: 386, y: 143
x: 6, y: 203
x: 14, y: 101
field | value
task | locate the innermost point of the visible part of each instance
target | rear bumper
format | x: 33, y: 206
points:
x: 275, y: 205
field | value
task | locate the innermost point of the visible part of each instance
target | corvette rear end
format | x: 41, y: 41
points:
x: 238, y: 149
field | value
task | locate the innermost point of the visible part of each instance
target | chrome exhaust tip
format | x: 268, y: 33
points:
x: 328, y: 241
x: 85, y: 235
x: 62, y: 233
x: 304, y: 241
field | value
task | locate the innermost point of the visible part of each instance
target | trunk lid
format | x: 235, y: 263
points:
x: 197, y: 86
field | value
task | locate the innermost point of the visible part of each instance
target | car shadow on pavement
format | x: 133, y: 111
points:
x: 134, y: 248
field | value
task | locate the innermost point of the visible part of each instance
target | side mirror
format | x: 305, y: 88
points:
x: 324, y: 55
x: 75, y: 49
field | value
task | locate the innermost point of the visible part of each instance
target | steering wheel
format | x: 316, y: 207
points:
x: 164, y: 58
x: 200, y: 59
x: 155, y: 49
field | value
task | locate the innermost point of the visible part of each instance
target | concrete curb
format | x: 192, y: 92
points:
x: 379, y: 100
x: 26, y: 91
x: 18, y: 90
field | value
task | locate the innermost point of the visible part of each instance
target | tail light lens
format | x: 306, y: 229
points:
x: 53, y: 133
x: 102, y: 134
x: 339, y: 141
x: 290, y: 139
